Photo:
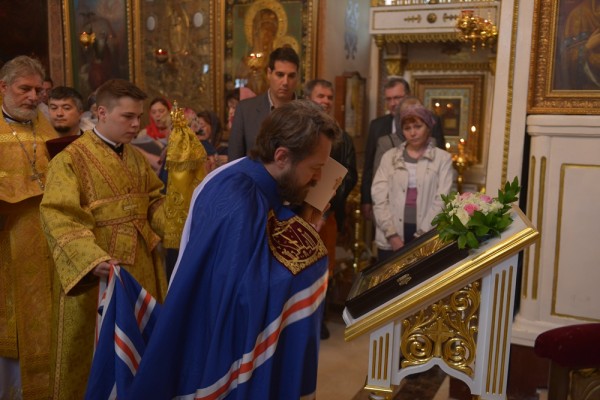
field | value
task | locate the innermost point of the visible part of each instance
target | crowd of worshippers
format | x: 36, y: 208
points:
x: 82, y: 191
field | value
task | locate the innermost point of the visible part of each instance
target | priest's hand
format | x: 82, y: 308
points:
x: 320, y: 223
x: 102, y: 269
x: 313, y: 216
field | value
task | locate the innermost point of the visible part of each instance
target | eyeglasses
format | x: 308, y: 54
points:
x: 395, y: 98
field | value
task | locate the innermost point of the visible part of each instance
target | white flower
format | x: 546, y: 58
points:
x: 463, y: 216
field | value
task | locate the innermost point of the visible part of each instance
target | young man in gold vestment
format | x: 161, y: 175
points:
x: 25, y: 262
x: 102, y: 206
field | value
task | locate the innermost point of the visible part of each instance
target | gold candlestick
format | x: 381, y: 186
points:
x: 461, y: 161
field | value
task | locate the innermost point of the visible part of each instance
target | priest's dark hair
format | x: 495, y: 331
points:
x: 66, y: 92
x: 21, y: 66
x: 112, y: 90
x: 296, y: 126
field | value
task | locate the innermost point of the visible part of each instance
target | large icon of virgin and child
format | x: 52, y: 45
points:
x: 577, y: 62
x: 265, y: 27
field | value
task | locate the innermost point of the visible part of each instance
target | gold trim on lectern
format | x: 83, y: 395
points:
x: 457, y: 277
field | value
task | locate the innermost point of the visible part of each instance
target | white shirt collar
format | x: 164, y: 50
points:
x: 101, y: 136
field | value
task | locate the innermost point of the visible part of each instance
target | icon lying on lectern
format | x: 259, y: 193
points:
x: 418, y: 261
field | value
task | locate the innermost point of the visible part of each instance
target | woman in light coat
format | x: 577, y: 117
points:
x: 408, y: 183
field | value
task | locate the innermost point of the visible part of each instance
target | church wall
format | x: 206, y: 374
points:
x: 560, y: 273
x: 343, y: 47
x: 345, y: 44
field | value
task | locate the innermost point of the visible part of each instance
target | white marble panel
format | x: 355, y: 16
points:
x: 577, y: 252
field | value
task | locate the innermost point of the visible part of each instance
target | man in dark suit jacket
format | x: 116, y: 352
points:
x: 395, y: 90
x: 283, y: 77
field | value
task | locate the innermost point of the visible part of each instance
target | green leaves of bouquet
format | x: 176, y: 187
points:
x: 470, y: 218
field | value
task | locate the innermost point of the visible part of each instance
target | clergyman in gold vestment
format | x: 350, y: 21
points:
x: 25, y: 262
x: 102, y: 205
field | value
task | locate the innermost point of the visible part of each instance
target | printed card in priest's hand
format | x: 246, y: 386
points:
x: 332, y: 175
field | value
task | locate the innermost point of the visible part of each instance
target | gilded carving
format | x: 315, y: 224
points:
x: 447, y: 66
x: 424, y: 251
x: 509, y: 99
x: 379, y: 41
x: 445, y: 330
x: 449, y: 17
x: 431, y: 37
x: 404, y: 279
x: 413, y: 18
x: 182, y: 30
x: 379, y: 3
x: 392, y: 66
x: 585, y: 384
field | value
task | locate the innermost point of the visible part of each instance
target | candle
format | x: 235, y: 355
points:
x: 161, y: 55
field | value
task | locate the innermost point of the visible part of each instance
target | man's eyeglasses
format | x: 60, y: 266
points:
x: 395, y: 98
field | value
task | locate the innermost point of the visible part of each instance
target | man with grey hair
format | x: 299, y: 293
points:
x: 25, y: 262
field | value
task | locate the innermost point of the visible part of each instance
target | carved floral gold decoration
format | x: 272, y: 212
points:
x: 585, y: 384
x: 446, y: 330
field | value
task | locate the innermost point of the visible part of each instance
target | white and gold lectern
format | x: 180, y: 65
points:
x: 459, y: 318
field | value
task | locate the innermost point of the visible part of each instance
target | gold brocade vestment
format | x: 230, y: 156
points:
x: 185, y: 163
x: 25, y: 262
x: 97, y: 206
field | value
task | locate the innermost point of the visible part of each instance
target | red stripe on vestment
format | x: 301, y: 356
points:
x: 268, y: 342
x: 127, y: 350
x: 143, y: 308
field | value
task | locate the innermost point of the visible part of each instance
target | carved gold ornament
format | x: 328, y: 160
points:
x: 445, y: 330
x: 402, y: 263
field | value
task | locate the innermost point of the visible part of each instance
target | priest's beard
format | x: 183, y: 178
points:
x: 290, y: 190
x: 62, y: 129
x: 17, y: 112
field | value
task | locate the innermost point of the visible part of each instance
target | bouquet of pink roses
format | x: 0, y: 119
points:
x: 470, y: 217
